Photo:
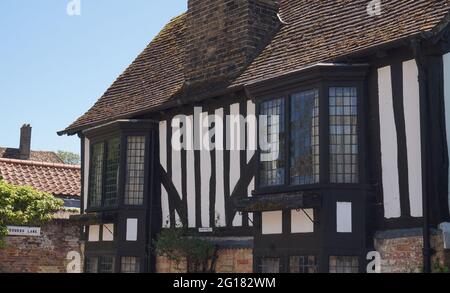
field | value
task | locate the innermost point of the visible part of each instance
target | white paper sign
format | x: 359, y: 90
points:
x: 24, y: 231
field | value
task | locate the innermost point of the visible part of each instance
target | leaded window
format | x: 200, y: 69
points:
x: 106, y: 265
x: 104, y: 173
x: 135, y: 175
x: 304, y: 138
x: 299, y: 162
x: 272, y: 156
x: 343, y: 135
x: 130, y: 265
x: 99, y: 264
x: 112, y: 172
x: 303, y: 264
x: 270, y: 265
x: 96, y: 175
x: 344, y: 264
x: 91, y: 265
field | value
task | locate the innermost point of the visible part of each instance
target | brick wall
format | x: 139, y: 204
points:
x: 229, y: 261
x: 44, y: 254
x: 401, y: 252
x: 223, y: 36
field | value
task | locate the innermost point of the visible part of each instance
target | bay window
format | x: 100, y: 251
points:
x: 304, y: 138
x: 104, y: 173
x: 96, y: 175
x: 118, y: 165
x: 343, y: 135
x: 112, y: 171
x: 296, y: 136
x: 134, y: 181
x: 273, y: 165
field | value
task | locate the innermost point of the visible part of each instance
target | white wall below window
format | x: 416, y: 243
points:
x: 300, y: 223
x: 108, y: 232
x: 94, y: 233
x: 272, y: 223
x: 132, y: 228
x: 344, y: 221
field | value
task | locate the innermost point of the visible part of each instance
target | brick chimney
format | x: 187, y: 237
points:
x: 25, y: 142
x: 224, y: 36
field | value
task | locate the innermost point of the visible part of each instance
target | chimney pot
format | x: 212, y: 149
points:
x: 25, y: 142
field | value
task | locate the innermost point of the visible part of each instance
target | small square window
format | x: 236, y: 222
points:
x: 303, y: 264
x: 91, y: 265
x: 270, y: 265
x: 106, y: 265
x: 130, y: 265
x: 344, y: 264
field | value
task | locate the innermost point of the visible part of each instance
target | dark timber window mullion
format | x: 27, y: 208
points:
x: 287, y: 141
x: 324, y: 136
x: 105, y: 149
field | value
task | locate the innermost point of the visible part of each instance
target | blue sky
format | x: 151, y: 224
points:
x: 53, y: 66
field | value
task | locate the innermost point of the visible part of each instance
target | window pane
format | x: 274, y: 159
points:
x: 134, y: 186
x: 344, y: 264
x: 272, y: 155
x: 343, y: 135
x: 91, y: 265
x: 304, y: 144
x: 130, y: 265
x: 270, y: 265
x: 303, y: 264
x: 106, y: 264
x: 96, y: 174
x: 112, y: 172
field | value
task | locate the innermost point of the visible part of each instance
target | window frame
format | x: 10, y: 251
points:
x: 104, y: 139
x: 316, y: 266
x: 357, y: 268
x: 122, y: 130
x: 322, y: 85
x: 98, y: 259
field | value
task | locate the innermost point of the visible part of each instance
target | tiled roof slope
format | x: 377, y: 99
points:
x: 315, y: 31
x: 155, y: 75
x: 38, y: 156
x: 320, y: 31
x: 57, y: 179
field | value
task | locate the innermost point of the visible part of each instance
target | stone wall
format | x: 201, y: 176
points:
x: 401, y: 251
x: 44, y: 254
x: 229, y: 261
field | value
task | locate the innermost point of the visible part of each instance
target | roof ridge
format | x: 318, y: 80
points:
x: 43, y: 164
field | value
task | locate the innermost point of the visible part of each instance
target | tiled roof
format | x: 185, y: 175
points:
x: 38, y: 156
x: 155, y: 75
x: 316, y: 31
x: 320, y: 31
x: 57, y: 179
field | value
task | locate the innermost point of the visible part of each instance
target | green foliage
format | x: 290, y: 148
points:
x: 69, y: 158
x: 178, y: 244
x: 25, y: 206
x: 438, y: 268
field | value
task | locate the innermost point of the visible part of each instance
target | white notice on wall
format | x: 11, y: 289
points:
x: 24, y: 231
